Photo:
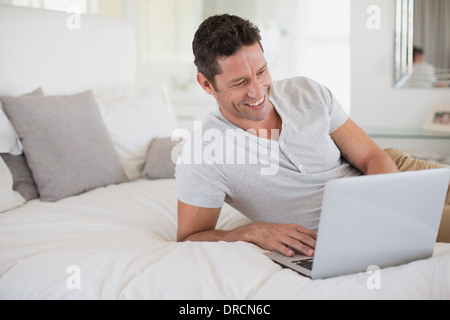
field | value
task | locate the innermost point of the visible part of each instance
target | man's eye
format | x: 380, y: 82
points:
x: 239, y: 84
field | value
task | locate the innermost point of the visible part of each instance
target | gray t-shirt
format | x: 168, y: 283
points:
x: 268, y: 181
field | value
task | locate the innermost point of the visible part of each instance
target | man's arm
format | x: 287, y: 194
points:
x: 361, y: 151
x: 198, y: 224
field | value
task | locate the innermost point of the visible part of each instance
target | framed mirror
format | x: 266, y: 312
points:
x: 404, y: 28
x: 422, y: 44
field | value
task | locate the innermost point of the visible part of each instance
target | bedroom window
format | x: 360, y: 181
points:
x: 167, y: 28
x: 315, y: 44
x: 100, y: 7
x: 57, y: 5
x: 65, y: 5
x: 300, y: 37
x: 328, y: 46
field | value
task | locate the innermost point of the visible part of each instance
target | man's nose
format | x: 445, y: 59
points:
x: 255, y: 90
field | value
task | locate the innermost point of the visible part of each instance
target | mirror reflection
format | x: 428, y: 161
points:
x: 431, y: 52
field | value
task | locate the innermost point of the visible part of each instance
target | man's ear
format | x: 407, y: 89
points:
x: 205, y: 84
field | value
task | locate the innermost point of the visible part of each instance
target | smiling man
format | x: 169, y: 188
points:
x: 308, y: 133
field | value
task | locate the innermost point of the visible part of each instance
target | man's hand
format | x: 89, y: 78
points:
x: 199, y: 224
x: 283, y: 238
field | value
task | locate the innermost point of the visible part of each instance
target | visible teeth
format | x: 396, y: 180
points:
x: 256, y: 103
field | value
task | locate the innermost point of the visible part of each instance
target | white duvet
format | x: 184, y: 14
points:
x: 119, y: 242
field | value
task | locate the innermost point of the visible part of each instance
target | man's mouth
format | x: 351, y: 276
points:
x: 257, y: 104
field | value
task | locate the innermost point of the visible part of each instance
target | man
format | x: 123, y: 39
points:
x: 424, y: 73
x: 310, y: 135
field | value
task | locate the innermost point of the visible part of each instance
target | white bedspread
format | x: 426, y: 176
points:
x: 119, y: 242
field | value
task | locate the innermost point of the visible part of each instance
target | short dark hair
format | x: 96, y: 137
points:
x: 221, y: 36
x: 416, y: 52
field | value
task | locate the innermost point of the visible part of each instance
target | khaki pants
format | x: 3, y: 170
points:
x: 405, y: 162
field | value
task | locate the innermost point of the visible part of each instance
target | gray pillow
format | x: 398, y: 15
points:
x: 159, y: 163
x: 66, y: 144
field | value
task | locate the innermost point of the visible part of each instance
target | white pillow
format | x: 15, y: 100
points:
x: 9, y: 141
x: 9, y: 199
x: 134, y: 122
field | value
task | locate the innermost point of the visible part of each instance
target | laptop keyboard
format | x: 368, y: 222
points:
x: 305, y: 263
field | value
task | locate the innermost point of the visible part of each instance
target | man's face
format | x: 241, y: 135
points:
x: 242, y: 90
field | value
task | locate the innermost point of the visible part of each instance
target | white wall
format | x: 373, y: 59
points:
x: 298, y: 36
x: 375, y: 104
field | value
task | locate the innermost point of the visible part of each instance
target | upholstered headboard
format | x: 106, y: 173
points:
x: 40, y: 50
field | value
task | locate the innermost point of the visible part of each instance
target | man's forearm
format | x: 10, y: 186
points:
x: 269, y: 236
x: 238, y: 234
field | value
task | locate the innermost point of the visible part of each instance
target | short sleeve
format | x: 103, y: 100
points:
x: 199, y: 184
x: 338, y: 116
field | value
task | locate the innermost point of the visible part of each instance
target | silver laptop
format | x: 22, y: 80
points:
x: 382, y: 220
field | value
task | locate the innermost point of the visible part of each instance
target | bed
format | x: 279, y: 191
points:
x: 76, y: 235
